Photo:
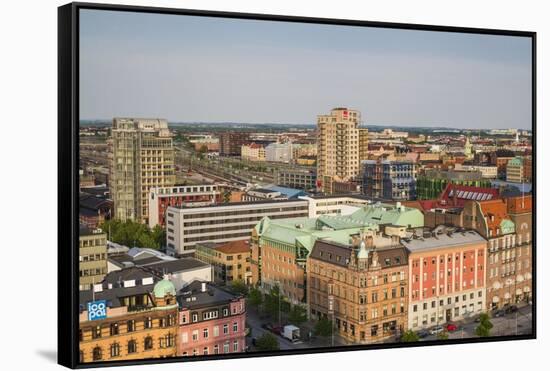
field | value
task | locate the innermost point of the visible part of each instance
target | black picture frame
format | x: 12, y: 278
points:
x: 68, y: 144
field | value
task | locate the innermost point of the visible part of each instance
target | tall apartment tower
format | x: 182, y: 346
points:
x: 143, y: 157
x: 338, y: 145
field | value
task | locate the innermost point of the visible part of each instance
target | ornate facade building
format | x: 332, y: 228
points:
x: 509, y: 254
x: 128, y: 317
x: 210, y: 321
x: 361, y: 287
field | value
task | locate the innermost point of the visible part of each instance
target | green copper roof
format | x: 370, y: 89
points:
x: 507, y: 226
x: 303, y: 232
x: 390, y: 214
x: 164, y: 287
x: 516, y: 161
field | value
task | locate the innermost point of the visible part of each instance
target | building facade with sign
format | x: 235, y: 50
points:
x: 128, y: 317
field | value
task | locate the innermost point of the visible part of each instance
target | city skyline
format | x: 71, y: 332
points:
x: 459, y: 80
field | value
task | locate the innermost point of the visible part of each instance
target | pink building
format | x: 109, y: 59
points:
x: 211, y: 321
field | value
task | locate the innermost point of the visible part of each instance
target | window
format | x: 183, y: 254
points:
x: 195, y: 335
x: 226, y: 347
x: 131, y: 326
x: 96, y: 354
x: 96, y: 332
x: 148, y: 343
x: 225, y: 312
x: 205, y: 351
x: 205, y: 333
x: 148, y: 322
x: 195, y: 317
x: 225, y: 329
x: 216, y: 349
x: 235, y: 327
x: 216, y: 331
x: 235, y: 346
x: 113, y: 329
x: 132, y: 346
x: 115, y: 350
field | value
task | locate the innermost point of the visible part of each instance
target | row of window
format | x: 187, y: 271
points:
x: 433, y: 303
x: 215, y: 349
x: 114, y: 328
x: 195, y: 335
x: 166, y: 341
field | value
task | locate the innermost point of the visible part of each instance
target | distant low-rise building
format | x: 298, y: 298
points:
x: 515, y: 170
x: 279, y: 152
x: 431, y: 183
x: 253, y: 152
x: 389, y: 180
x: 230, y: 260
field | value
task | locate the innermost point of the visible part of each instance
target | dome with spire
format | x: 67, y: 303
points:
x: 163, y: 288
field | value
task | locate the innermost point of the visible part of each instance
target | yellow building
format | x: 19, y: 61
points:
x: 128, y: 317
x: 253, y: 152
x: 143, y: 157
x: 231, y: 260
x: 338, y: 145
x: 363, y: 144
x: 92, y: 253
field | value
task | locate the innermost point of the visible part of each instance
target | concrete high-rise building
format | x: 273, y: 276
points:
x: 143, y: 157
x: 338, y: 145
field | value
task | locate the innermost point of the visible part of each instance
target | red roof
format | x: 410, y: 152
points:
x: 456, y: 196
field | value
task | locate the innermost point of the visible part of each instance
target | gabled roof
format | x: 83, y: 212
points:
x: 496, y: 216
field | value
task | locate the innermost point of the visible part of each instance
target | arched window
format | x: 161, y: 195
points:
x: 96, y: 354
x: 132, y: 346
x: 115, y: 350
x: 148, y: 343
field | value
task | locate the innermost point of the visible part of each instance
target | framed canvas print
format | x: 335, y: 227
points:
x: 241, y: 185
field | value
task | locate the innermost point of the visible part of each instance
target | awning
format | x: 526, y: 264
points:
x: 496, y: 299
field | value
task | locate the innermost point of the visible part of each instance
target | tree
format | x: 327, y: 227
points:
x: 297, y: 315
x: 272, y: 302
x: 267, y: 342
x: 485, y: 325
x: 255, y: 297
x: 409, y: 336
x: 323, y: 327
x: 443, y: 335
x: 239, y: 287
x: 130, y: 233
x: 203, y: 149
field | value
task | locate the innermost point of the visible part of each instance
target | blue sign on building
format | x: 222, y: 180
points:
x: 97, y: 310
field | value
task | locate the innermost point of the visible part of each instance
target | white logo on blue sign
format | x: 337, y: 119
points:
x: 97, y: 310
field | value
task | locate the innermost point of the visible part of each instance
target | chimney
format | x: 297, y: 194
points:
x: 203, y: 286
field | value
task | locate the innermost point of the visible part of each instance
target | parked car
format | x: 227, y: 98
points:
x: 478, y: 319
x: 510, y: 309
x: 422, y: 334
x: 436, y: 330
x: 498, y: 313
x: 451, y: 327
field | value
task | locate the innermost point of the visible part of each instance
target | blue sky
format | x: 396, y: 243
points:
x: 185, y: 68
